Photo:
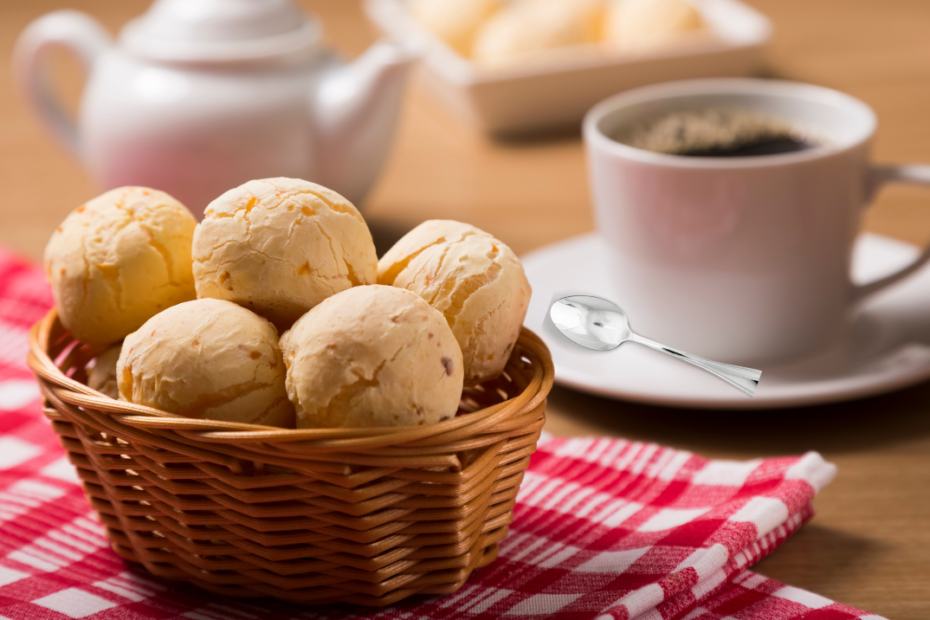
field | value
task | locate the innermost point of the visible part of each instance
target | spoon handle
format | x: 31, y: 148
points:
x: 740, y: 377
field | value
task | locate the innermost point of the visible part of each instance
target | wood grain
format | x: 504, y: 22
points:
x: 869, y: 544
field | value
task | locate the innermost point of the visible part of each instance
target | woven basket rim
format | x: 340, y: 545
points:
x: 75, y: 393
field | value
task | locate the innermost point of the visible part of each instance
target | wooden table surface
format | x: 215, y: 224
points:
x: 869, y: 545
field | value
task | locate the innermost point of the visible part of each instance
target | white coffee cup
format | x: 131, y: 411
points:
x: 742, y: 259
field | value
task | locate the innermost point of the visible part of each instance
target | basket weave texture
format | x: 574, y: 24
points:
x: 367, y: 516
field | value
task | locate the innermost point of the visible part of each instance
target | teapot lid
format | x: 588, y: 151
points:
x: 220, y: 30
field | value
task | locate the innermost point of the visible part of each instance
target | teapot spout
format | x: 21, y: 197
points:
x: 356, y: 110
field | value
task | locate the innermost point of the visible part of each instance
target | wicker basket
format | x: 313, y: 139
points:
x: 367, y: 516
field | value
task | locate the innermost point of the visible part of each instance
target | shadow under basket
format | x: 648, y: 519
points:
x: 366, y: 516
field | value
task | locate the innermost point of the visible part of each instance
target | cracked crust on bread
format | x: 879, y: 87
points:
x: 118, y: 260
x: 208, y: 359
x: 281, y: 246
x: 372, y: 356
x: 473, y: 279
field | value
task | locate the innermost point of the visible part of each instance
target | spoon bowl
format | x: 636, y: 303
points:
x: 601, y: 325
x: 592, y: 322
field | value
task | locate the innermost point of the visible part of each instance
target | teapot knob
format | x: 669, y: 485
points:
x: 72, y: 30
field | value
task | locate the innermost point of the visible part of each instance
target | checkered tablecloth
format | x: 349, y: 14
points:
x: 603, y: 528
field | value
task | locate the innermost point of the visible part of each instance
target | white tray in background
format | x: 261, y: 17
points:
x: 556, y: 89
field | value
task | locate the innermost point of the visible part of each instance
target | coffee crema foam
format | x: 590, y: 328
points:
x: 717, y: 132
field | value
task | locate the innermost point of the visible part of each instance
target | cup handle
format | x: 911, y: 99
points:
x: 912, y: 174
x: 74, y: 31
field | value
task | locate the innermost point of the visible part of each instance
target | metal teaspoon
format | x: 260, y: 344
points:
x: 601, y: 325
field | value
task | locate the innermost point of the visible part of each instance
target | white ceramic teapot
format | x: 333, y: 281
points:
x: 199, y: 96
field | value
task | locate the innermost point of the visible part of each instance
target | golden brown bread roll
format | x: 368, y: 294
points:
x: 118, y: 260
x: 281, y: 246
x: 372, y: 356
x: 209, y: 359
x: 476, y: 281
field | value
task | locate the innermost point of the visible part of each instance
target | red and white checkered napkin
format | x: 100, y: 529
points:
x: 603, y: 528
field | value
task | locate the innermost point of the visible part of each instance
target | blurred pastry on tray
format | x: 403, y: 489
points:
x: 454, y: 21
x: 496, y: 33
x: 526, y: 27
x: 646, y: 24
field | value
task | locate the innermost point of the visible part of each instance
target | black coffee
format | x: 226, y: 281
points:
x: 717, y: 132
x: 770, y: 146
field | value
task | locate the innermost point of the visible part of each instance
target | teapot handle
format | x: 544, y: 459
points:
x: 74, y: 31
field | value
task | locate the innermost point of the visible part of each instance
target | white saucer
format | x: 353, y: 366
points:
x: 887, y: 346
